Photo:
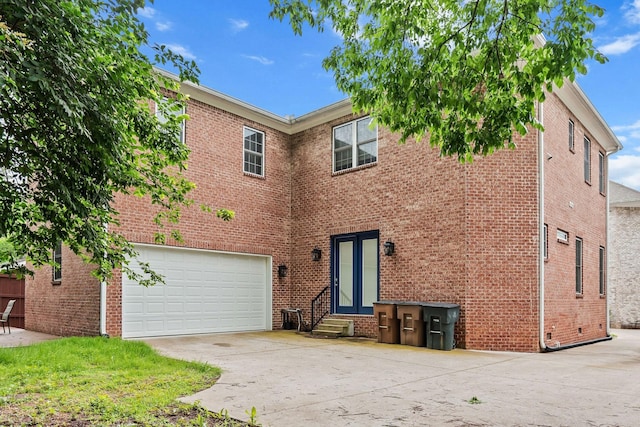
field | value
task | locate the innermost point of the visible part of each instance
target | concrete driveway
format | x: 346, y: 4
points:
x: 294, y: 380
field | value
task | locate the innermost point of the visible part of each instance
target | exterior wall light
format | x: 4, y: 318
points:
x: 282, y: 270
x: 389, y: 248
x: 316, y: 254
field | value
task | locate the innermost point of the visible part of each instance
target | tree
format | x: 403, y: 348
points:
x: 466, y: 72
x: 76, y: 128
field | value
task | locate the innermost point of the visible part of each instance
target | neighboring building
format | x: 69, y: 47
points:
x: 624, y: 250
x: 516, y: 238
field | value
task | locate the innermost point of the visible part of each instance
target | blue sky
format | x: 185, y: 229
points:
x: 244, y: 54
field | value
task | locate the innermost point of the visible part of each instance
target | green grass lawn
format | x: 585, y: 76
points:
x: 101, y: 381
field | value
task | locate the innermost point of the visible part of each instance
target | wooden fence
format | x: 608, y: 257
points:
x: 12, y: 288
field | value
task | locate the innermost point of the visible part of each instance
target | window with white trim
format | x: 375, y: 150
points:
x: 354, y: 144
x: 57, y: 263
x: 602, y: 270
x: 163, y: 112
x: 253, y: 151
x: 587, y: 160
x: 601, y: 173
x: 562, y: 236
x: 571, y: 142
x: 578, y: 266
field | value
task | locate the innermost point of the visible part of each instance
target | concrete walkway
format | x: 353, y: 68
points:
x: 19, y: 337
x: 293, y: 380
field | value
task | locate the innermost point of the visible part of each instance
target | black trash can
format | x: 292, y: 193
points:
x: 386, y: 313
x: 440, y: 319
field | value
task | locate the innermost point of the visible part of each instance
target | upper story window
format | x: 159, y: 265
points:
x: 601, y: 173
x: 253, y: 151
x: 354, y: 144
x: 587, y: 160
x: 57, y: 266
x: 163, y: 113
x: 571, y: 142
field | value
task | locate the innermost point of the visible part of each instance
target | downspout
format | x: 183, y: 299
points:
x: 103, y: 309
x: 103, y: 300
x: 541, y: 160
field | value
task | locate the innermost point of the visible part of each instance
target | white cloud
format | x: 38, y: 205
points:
x: 146, y: 12
x: 164, y: 26
x: 632, y: 11
x: 621, y: 45
x: 623, y: 128
x: 260, y: 59
x: 238, y: 24
x: 625, y: 169
x: 181, y: 50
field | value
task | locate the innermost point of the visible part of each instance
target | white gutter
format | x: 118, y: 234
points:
x: 541, y: 160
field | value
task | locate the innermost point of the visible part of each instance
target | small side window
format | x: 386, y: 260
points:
x: 578, y: 266
x: 562, y: 236
x: 602, y: 270
x: 601, y: 173
x: 571, y: 141
x: 57, y: 267
x: 587, y: 160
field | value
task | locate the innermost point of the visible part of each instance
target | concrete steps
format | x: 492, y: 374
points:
x: 334, y: 328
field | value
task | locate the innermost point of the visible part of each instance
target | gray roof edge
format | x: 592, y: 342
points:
x: 623, y: 196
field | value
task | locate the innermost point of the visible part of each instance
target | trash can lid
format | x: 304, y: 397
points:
x: 441, y: 305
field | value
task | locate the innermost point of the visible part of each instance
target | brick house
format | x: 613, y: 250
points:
x: 517, y: 239
x: 624, y: 247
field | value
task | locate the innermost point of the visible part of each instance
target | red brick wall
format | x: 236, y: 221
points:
x: 413, y: 197
x: 578, y: 208
x: 262, y: 205
x: 70, y: 308
x: 465, y: 234
x: 501, y: 306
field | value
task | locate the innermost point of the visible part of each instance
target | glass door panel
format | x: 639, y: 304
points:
x: 345, y: 274
x: 355, y: 268
x: 369, y: 272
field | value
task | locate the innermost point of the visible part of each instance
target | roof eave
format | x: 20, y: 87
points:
x: 582, y: 108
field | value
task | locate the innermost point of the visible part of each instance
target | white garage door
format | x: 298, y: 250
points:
x: 205, y: 292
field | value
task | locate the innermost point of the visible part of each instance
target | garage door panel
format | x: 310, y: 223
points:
x: 204, y: 292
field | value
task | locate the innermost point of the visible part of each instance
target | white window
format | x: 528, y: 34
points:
x: 587, y: 160
x: 354, y: 144
x: 578, y: 265
x: 562, y: 236
x: 163, y: 112
x: 253, y: 151
x: 57, y: 259
x: 602, y: 270
x: 571, y: 126
x: 545, y: 240
x: 601, y: 173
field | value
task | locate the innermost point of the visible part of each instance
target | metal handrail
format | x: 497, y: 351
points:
x: 321, y: 305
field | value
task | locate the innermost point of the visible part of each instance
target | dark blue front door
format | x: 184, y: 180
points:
x: 355, y: 260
